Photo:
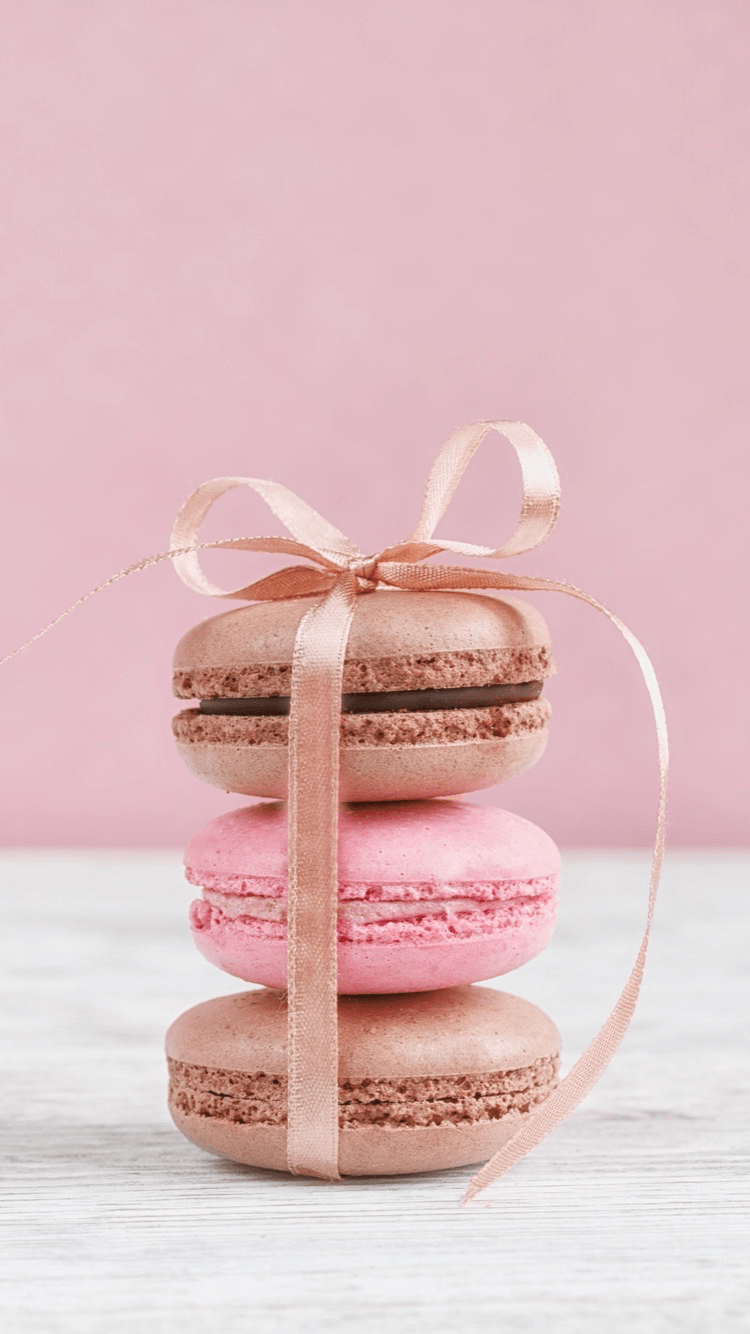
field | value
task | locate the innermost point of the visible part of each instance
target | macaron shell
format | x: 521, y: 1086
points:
x: 371, y: 1151
x: 378, y: 773
x: 387, y: 625
x: 376, y: 969
x: 399, y: 843
x: 463, y: 1030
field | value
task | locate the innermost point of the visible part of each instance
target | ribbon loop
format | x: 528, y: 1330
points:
x: 540, y: 505
x: 315, y: 537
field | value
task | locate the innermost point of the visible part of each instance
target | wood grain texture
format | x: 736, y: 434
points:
x: 632, y: 1216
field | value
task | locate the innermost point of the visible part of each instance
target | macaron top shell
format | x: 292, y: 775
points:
x: 409, y: 842
x: 459, y: 1030
x: 398, y: 641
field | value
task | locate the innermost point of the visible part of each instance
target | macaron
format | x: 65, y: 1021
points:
x: 431, y: 893
x: 426, y: 1081
x: 441, y: 695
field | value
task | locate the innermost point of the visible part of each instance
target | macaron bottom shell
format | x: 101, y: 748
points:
x: 365, y: 1151
x: 372, y: 773
x: 413, y: 963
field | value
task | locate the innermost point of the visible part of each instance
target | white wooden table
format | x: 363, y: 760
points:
x: 631, y: 1217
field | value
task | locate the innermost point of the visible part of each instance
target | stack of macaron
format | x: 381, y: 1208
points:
x: 442, y: 696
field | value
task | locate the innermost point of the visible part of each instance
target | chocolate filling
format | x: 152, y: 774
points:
x: 388, y: 701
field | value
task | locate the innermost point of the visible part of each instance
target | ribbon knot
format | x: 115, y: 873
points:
x: 366, y: 572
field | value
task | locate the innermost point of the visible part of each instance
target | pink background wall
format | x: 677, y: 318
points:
x: 306, y: 241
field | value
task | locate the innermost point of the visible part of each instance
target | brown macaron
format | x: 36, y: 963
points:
x: 441, y: 695
x: 426, y: 1081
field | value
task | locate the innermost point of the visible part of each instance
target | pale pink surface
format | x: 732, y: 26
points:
x: 432, y: 893
x: 306, y: 241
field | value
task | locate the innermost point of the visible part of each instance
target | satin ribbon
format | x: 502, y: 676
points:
x: 342, y: 573
x: 337, y: 573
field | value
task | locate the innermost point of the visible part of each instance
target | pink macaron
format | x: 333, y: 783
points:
x: 431, y: 894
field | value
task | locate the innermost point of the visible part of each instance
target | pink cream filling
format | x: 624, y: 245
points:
x: 382, y: 914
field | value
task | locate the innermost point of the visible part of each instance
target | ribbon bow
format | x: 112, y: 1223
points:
x: 338, y: 573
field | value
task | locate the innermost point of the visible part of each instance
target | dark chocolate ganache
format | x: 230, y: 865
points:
x: 387, y: 701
